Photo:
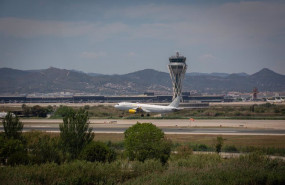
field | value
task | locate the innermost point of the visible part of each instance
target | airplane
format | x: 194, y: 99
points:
x: 3, y: 115
x: 275, y: 100
x: 280, y: 100
x: 140, y: 108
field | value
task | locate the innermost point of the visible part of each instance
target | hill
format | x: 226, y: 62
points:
x: 49, y: 80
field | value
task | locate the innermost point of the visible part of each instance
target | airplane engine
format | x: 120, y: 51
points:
x: 132, y: 111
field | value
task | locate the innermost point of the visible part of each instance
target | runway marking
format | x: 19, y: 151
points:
x: 40, y: 126
x: 217, y: 131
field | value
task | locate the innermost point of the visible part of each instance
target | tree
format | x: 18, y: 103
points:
x: 12, y: 126
x: 219, y: 144
x: 75, y: 133
x: 146, y: 141
x: 26, y: 110
x: 64, y: 111
x: 39, y: 111
x: 36, y: 110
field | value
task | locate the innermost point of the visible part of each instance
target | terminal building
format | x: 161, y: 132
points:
x: 108, y: 99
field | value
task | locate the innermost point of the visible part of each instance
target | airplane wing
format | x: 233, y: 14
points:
x: 139, y: 109
x: 177, y: 109
x: 145, y: 110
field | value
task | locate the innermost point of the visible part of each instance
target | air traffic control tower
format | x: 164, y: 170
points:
x: 177, y: 67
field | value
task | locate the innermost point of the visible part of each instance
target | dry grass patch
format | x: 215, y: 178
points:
x: 237, y: 140
x: 109, y: 137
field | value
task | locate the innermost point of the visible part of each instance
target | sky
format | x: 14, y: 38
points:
x: 119, y: 37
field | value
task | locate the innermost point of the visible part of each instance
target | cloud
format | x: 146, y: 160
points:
x: 184, y: 24
x: 93, y: 55
x: 235, y: 34
x: 246, y: 23
x: 131, y: 54
x: 28, y: 28
x: 208, y: 58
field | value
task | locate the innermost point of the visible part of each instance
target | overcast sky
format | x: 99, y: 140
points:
x: 117, y: 37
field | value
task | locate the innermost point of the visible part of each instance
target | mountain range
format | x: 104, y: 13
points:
x: 13, y: 81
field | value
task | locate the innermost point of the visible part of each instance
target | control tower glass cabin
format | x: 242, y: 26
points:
x: 177, y: 67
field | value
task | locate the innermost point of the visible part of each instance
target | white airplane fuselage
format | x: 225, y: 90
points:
x: 275, y: 100
x: 145, y: 107
x: 3, y: 114
x: 148, y: 108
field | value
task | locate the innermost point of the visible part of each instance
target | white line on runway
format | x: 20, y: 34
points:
x: 215, y: 131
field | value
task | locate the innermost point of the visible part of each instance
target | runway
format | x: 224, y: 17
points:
x: 170, y: 126
x: 167, y: 130
x: 254, y: 124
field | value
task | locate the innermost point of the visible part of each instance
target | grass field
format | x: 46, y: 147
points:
x: 271, y: 145
x: 260, y: 111
x: 237, y: 140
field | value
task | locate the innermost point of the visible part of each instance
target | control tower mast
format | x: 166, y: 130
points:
x: 177, y: 67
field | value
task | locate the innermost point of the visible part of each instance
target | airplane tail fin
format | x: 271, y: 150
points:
x: 175, y: 102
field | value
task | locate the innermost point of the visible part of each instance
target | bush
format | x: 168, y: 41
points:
x: 200, y: 147
x: 12, y: 151
x: 98, y: 151
x: 79, y: 172
x: 184, y: 151
x: 63, y: 111
x: 146, y: 141
x: 36, y: 110
x: 39, y: 111
x: 86, y: 107
x: 46, y: 149
x: 230, y: 148
x: 219, y: 144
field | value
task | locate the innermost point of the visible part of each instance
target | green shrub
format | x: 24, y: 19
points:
x: 265, y: 150
x: 146, y: 141
x: 36, y: 111
x: 219, y: 144
x: 237, y: 113
x: 46, y: 149
x: 98, y: 151
x: 217, y: 114
x: 63, y: 111
x: 12, y: 152
x: 79, y: 172
x: 199, y: 161
x: 184, y: 151
x: 230, y: 148
x: 200, y: 147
